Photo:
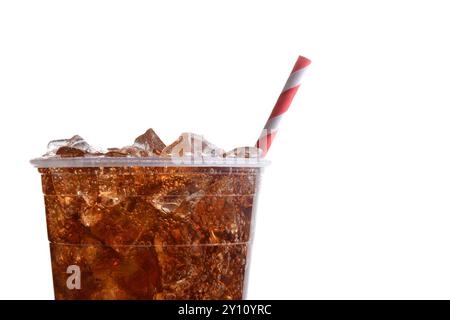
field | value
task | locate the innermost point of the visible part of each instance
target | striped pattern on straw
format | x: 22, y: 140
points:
x: 284, y: 101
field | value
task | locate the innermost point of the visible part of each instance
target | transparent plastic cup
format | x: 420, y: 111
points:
x: 149, y: 228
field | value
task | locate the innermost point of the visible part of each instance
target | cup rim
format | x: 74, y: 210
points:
x: 102, y: 161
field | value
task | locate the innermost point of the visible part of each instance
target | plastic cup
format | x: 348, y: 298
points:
x: 144, y: 228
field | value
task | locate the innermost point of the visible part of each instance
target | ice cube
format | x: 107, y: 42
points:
x: 178, y: 191
x: 192, y: 145
x: 69, y: 152
x: 244, y: 152
x: 115, y: 152
x: 56, y: 144
x: 73, y: 147
x: 78, y: 142
x: 150, y: 141
x: 130, y: 151
x: 136, y: 151
x: 90, y: 216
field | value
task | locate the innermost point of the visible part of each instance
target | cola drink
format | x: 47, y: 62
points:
x: 131, y: 223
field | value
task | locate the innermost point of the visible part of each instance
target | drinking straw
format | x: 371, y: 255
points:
x: 282, y: 105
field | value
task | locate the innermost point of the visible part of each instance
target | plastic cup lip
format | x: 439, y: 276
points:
x: 95, y: 162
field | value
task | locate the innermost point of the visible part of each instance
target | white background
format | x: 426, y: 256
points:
x: 356, y: 201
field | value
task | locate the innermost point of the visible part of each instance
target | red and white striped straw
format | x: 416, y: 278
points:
x: 282, y: 105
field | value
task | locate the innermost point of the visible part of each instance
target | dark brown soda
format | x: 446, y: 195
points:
x: 150, y: 232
